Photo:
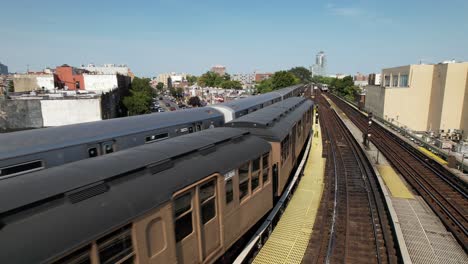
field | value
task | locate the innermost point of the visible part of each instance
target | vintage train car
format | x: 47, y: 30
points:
x: 182, y: 200
x: 286, y: 125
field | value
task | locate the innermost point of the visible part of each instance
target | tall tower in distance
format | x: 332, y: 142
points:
x: 320, y: 64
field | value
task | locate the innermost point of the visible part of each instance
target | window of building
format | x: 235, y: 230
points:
x: 404, y: 80
x: 116, y: 246
x: 255, y: 173
x: 208, y: 201
x: 265, y: 167
x: 81, y: 256
x: 386, y: 80
x: 156, y: 137
x: 229, y: 191
x: 244, y: 180
x: 21, y: 168
x: 183, y: 216
x: 394, y: 80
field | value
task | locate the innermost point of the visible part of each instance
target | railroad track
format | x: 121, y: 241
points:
x: 355, y: 224
x: 444, y: 192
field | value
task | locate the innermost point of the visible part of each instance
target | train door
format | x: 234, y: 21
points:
x: 293, y: 144
x: 197, y: 228
x: 209, y: 218
x: 185, y: 226
x: 275, y: 179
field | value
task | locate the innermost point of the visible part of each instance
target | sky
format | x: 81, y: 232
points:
x: 157, y: 36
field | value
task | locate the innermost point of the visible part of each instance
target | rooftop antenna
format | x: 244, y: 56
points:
x: 27, y: 68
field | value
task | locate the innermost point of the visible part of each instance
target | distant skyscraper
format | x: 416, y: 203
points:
x: 320, y: 66
x: 3, y: 69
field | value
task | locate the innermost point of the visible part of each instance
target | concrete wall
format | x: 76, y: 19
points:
x: 24, y: 83
x: 409, y: 106
x: 46, y: 81
x: 454, y: 95
x: 464, y: 119
x: 20, y: 114
x: 66, y: 112
x: 100, y: 83
x: 375, y: 100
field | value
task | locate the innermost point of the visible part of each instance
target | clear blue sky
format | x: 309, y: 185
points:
x: 244, y: 35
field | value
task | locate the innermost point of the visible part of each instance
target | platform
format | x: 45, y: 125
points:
x: 289, y: 240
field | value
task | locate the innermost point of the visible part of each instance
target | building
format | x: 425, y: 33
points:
x: 338, y: 75
x: 219, y: 69
x: 262, y: 76
x: 375, y: 79
x: 320, y: 66
x: 360, y: 80
x: 33, y: 81
x: 423, y: 97
x: 175, y: 77
x: 69, y: 78
x: 247, y: 79
x: 3, y: 69
x: 108, y: 69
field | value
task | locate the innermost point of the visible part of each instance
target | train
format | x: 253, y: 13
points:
x: 32, y: 150
x: 187, y: 199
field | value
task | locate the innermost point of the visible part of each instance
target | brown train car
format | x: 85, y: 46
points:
x: 182, y: 200
x: 286, y: 125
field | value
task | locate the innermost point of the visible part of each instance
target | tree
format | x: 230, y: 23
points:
x: 137, y: 103
x: 191, y: 79
x: 304, y: 75
x: 231, y: 85
x: 11, y: 86
x: 194, y: 101
x: 139, y: 100
x: 210, y: 79
x: 264, y: 86
x: 344, y: 87
x: 282, y: 79
x: 160, y: 86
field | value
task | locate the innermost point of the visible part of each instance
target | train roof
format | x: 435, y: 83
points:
x: 289, y: 89
x: 83, y: 200
x: 242, y: 104
x: 274, y: 122
x: 38, y: 140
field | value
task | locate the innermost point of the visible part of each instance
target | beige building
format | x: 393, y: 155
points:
x: 163, y: 77
x: 423, y: 97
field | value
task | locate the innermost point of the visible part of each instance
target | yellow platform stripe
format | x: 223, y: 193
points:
x: 433, y: 156
x: 393, y: 181
x: 289, y: 240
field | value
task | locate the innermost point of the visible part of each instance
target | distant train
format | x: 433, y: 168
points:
x: 187, y: 199
x: 32, y: 150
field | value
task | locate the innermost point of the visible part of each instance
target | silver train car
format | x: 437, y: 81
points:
x: 32, y: 150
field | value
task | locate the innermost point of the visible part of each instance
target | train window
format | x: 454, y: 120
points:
x: 108, y: 147
x: 153, y: 138
x: 116, y: 247
x: 255, y: 173
x: 229, y: 191
x: 183, y: 214
x: 299, y: 128
x: 190, y: 129
x: 93, y: 152
x: 81, y: 256
x: 243, y: 180
x: 207, y: 201
x: 265, y: 167
x: 199, y: 128
x: 284, y: 149
x: 22, y: 168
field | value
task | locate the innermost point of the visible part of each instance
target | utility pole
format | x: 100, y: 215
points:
x: 366, y: 136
